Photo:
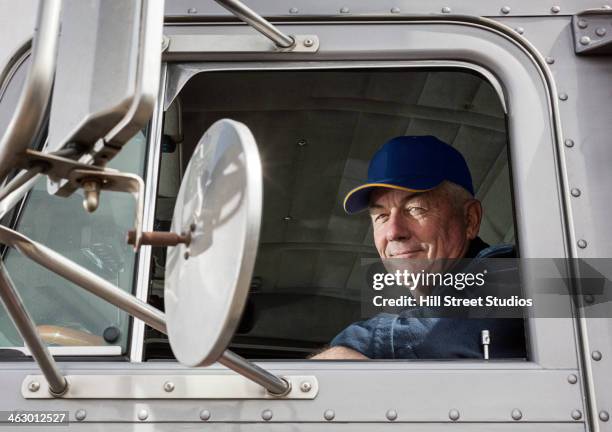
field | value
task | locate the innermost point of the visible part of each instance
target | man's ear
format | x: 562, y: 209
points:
x: 472, y: 212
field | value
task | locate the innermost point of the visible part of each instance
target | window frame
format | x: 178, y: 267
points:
x: 541, y: 224
x: 546, y: 346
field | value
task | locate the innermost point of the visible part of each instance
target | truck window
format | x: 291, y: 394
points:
x: 67, y: 315
x: 316, y: 132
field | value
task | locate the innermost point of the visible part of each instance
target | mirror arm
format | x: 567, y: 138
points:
x: 275, y: 385
x: 23, y: 177
x: 82, y: 277
x: 27, y: 329
x: 256, y: 21
x: 36, y: 93
x: 100, y: 287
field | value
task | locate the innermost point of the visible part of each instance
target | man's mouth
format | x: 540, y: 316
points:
x: 406, y: 253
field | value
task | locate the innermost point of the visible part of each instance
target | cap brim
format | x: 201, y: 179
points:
x: 358, y: 199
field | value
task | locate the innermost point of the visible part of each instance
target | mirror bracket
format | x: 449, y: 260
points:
x: 190, y: 46
x: 185, y: 386
x: 92, y: 179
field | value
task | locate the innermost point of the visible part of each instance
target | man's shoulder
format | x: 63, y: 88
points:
x: 502, y: 250
x: 478, y: 248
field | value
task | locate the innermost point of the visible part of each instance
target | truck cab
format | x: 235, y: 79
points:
x: 139, y: 95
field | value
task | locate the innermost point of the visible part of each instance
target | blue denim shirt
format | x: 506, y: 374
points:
x: 404, y: 336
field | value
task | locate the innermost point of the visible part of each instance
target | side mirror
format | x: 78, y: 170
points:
x: 107, y: 76
x: 218, y: 210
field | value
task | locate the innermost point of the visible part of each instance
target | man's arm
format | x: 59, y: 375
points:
x: 339, y: 353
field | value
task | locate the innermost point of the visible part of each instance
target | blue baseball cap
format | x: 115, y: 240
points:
x: 413, y: 164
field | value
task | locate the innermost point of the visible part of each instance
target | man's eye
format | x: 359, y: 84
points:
x: 380, y: 217
x: 415, y: 211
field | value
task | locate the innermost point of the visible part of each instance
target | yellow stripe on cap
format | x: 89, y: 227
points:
x: 385, y: 185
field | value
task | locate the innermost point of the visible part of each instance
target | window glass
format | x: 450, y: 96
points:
x: 316, y: 132
x: 64, y: 313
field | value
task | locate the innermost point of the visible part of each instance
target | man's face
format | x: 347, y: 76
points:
x: 422, y: 225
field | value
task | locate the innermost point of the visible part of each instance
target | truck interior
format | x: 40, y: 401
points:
x: 316, y: 131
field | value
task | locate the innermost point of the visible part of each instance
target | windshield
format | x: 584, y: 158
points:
x: 65, y: 314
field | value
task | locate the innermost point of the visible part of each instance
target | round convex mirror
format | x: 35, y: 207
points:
x: 219, y: 207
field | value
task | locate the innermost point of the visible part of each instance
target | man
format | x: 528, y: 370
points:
x: 421, y: 202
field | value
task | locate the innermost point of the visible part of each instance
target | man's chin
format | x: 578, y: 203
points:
x: 410, y: 262
x: 411, y: 256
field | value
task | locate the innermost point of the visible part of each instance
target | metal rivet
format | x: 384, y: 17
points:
x: 555, y: 9
x: 453, y: 415
x: 569, y: 143
x: 572, y: 379
x: 604, y: 416
x: 329, y: 415
x: 344, y: 10
x: 589, y: 298
x: 596, y: 355
x: 582, y: 24
x: 204, y: 415
x: 519, y: 30
x: 192, y: 10
x: 446, y: 9
x: 308, y: 43
x: 391, y: 415
x: 287, y: 218
x: 80, y: 415
x: 575, y: 192
x: 505, y: 10
x: 582, y: 243
x: 601, y: 32
x: 193, y: 227
x: 550, y: 60
x: 294, y: 10
x: 563, y: 96
x: 266, y: 415
x: 302, y: 142
x: 585, y: 40
x: 516, y: 414
x: 576, y: 414
x: 395, y: 10
x: 34, y: 386
x: 143, y: 414
x: 305, y: 386
x: 168, y: 386
x: 186, y: 254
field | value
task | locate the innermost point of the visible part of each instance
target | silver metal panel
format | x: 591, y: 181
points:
x: 585, y: 117
x: 356, y: 392
x: 143, y: 426
x: 168, y: 387
x: 270, y: 8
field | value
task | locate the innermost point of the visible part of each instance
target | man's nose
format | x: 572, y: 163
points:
x: 397, y: 228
